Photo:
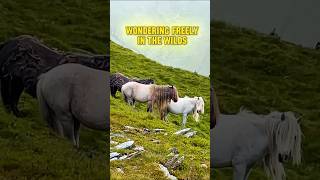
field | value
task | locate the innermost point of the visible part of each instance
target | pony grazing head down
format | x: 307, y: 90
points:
x: 162, y: 95
x: 199, y: 108
x: 199, y: 105
x: 284, y: 142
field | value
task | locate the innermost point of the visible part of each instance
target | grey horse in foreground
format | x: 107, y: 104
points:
x: 243, y: 139
x: 73, y: 94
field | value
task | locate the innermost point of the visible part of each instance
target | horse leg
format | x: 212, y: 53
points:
x: 76, y: 132
x: 133, y: 102
x: 184, y: 120
x: 240, y: 171
x: 16, y: 91
x: 149, y: 107
x: 125, y: 98
x: 129, y: 101
x: 68, y: 125
x: 166, y: 116
x: 5, y: 93
x: 247, y: 173
x: 113, y: 91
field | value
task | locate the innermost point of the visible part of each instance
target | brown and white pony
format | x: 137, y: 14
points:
x: 156, y: 95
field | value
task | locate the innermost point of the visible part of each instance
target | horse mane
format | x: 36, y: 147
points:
x: 161, y: 97
x: 272, y: 166
x: 276, y: 129
x: 195, y: 114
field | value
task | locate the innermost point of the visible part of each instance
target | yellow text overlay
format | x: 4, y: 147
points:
x: 162, y: 35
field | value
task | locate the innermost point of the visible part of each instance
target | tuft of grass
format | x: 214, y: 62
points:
x: 263, y: 74
x: 196, y: 150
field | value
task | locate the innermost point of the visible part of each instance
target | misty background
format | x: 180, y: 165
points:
x: 295, y: 21
x: 194, y: 57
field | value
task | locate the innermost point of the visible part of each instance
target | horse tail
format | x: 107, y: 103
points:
x: 124, y: 94
x: 44, y: 108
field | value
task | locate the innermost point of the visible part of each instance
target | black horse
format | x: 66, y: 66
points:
x: 117, y: 80
x: 24, y: 58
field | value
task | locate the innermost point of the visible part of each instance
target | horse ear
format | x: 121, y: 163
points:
x: 282, y: 117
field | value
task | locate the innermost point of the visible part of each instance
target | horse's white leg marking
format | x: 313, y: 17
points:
x: 184, y: 119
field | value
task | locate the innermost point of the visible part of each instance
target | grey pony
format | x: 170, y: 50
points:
x: 73, y: 94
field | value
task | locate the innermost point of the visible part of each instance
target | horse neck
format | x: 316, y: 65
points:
x: 257, y: 120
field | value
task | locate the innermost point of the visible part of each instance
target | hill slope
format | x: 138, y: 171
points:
x: 27, y: 149
x: 196, y: 150
x: 264, y: 74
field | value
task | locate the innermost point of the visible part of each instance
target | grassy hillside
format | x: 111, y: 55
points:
x: 196, y: 150
x: 27, y: 149
x: 264, y: 74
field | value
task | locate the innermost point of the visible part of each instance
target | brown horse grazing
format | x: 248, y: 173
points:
x: 24, y: 58
x: 214, y: 106
x: 156, y: 95
x: 73, y: 94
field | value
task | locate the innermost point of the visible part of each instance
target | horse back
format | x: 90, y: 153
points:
x: 81, y: 91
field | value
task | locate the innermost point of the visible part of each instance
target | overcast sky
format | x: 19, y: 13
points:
x: 295, y: 20
x: 195, y: 56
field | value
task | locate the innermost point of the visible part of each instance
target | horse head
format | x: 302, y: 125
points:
x: 173, y: 93
x: 29, y: 74
x: 199, y: 105
x: 288, y: 138
x: 149, y: 81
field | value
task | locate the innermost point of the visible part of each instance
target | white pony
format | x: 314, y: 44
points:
x: 186, y: 106
x: 240, y: 140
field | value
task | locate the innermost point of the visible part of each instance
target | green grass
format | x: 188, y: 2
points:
x: 263, y: 74
x: 196, y: 150
x: 28, y: 149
